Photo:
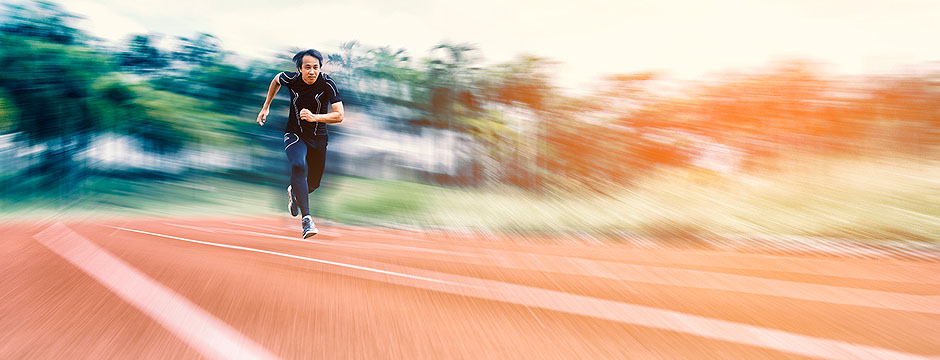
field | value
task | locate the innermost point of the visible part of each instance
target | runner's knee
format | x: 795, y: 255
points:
x: 298, y: 168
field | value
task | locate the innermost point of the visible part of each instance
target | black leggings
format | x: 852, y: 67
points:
x: 306, y: 157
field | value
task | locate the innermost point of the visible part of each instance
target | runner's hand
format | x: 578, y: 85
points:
x: 262, y: 116
x: 306, y: 115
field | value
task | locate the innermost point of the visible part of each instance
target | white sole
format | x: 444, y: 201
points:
x: 290, y: 202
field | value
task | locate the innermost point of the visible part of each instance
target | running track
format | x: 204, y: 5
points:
x: 249, y: 288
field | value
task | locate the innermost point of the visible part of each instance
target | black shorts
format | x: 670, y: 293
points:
x: 307, y: 158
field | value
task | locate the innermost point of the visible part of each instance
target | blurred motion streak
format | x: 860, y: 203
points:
x: 450, y: 150
x: 91, y: 125
x: 210, y: 336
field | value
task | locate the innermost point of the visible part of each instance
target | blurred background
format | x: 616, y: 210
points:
x: 720, y: 134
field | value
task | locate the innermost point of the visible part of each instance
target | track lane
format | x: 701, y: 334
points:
x: 302, y: 310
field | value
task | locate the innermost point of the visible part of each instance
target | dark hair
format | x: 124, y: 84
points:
x: 299, y: 58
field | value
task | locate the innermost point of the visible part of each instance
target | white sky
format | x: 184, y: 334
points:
x: 685, y: 39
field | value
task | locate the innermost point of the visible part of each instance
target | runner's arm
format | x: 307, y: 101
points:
x: 334, y: 117
x: 272, y: 90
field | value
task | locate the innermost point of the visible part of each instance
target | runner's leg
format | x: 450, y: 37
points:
x: 296, y: 150
x: 316, y: 162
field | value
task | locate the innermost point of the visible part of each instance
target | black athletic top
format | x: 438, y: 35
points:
x: 317, y: 97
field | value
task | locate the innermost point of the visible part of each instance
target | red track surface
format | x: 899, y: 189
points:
x: 374, y: 293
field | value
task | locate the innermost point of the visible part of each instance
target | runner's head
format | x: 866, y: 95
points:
x: 308, y: 63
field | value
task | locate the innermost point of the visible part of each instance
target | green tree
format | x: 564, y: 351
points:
x: 43, y: 20
x: 141, y: 56
x: 347, y: 60
x: 201, y: 49
x: 449, y: 78
x: 49, y: 85
x: 62, y: 96
x: 7, y: 113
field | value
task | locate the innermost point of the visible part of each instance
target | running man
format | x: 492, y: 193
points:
x: 315, y: 101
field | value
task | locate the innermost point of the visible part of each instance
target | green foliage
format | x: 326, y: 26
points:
x: 202, y: 49
x: 368, y: 201
x: 147, y: 196
x: 171, y: 121
x: 56, y: 91
x: 448, y: 78
x: 226, y: 86
x: 348, y: 60
x: 42, y: 20
x: 49, y: 84
x: 141, y: 56
x: 7, y: 112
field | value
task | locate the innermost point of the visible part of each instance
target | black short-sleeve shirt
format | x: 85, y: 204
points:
x: 317, y: 97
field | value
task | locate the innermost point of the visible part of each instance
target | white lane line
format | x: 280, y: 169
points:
x: 896, y: 271
x: 359, y: 245
x: 689, y: 278
x: 640, y: 315
x: 255, y: 233
x: 340, y: 228
x: 669, y: 320
x: 290, y: 256
x: 410, y: 248
x: 259, y: 227
x: 892, y: 271
x: 208, y: 335
x: 681, y: 277
x: 713, y: 281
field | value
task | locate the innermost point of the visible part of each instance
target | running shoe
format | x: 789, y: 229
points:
x: 291, y: 204
x: 309, y: 228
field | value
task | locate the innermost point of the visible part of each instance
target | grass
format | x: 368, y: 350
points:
x: 368, y: 201
x: 108, y: 196
x: 866, y: 200
x: 344, y: 199
x: 885, y: 199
